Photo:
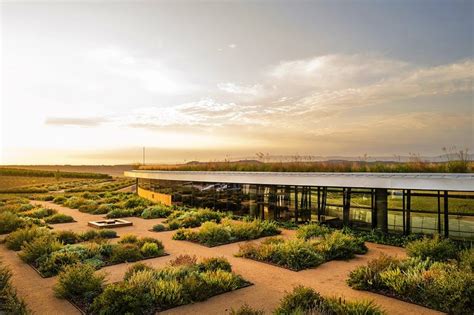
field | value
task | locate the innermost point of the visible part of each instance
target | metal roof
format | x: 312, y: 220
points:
x: 420, y: 181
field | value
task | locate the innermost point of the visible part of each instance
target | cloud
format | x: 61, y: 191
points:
x: 151, y: 73
x: 233, y: 88
x: 73, y: 121
x: 232, y: 46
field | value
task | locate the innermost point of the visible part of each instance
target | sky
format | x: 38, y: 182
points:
x: 95, y: 82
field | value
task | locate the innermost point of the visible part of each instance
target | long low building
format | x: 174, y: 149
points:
x: 392, y: 202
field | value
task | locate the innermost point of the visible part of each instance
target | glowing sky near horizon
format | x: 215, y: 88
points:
x: 92, y: 83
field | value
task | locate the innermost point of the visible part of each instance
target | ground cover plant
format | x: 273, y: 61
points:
x: 10, y: 303
x: 146, y: 290
x: 298, y: 254
x: 435, y: 275
x: 49, y: 256
x: 213, y: 234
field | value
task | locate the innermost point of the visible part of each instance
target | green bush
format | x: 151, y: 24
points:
x: 246, y: 310
x: 158, y: 228
x: 466, y: 260
x: 292, y: 254
x: 304, y: 300
x: 135, y: 268
x: 79, y: 283
x: 50, y: 265
x: 436, y: 249
x: 151, y: 250
x: 39, y: 213
x: 443, y: 286
x: 75, y: 202
x: 338, y: 245
x: 120, y: 213
x: 59, y: 218
x: 39, y: 247
x: 10, y: 303
x: 107, y: 233
x: 215, y: 263
x: 59, y: 199
x: 158, y: 211
x: 213, y: 234
x: 125, y: 253
x: 312, y: 230
x: 301, y: 300
x: 10, y: 222
x: 16, y: 239
x: 67, y: 237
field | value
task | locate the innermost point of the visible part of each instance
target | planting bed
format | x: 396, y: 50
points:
x: 298, y: 254
x: 46, y: 255
x: 437, y: 275
x: 146, y: 290
x: 212, y: 234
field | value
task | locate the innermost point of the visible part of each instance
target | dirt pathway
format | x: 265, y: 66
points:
x: 270, y: 282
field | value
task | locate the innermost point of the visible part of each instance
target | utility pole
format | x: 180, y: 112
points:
x: 143, y: 155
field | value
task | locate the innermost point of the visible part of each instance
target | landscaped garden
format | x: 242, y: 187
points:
x: 315, y: 245
x: 10, y: 303
x: 214, y: 234
x: 437, y: 275
x: 146, y: 290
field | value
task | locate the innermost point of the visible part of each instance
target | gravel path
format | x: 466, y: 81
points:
x: 270, y: 282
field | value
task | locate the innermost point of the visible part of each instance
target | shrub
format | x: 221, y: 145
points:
x: 59, y: 218
x: 68, y: 237
x: 50, y: 265
x: 158, y: 228
x: 439, y: 285
x: 292, y: 254
x: 135, y: 268
x: 120, y: 213
x: 39, y: 213
x: 79, y: 283
x: 9, y: 301
x: 215, y: 263
x: 436, y: 249
x: 122, y: 298
x: 246, y: 310
x: 59, y: 199
x: 9, y: 222
x: 338, y: 245
x: 75, y: 202
x: 16, y: 239
x: 151, y: 250
x: 39, y: 247
x: 107, y: 233
x: 466, y: 260
x: 125, y: 253
x: 335, y: 305
x: 301, y: 300
x: 183, y: 260
x: 155, y: 212
x: 312, y: 230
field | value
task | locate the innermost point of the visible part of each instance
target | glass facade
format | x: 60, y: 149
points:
x: 404, y: 211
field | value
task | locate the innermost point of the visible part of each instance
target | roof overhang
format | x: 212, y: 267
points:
x: 418, y: 181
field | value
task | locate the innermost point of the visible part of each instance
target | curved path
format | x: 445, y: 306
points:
x: 270, y: 282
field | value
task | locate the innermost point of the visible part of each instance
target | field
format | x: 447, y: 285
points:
x: 8, y: 182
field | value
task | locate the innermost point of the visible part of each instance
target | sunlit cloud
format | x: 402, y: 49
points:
x: 153, y: 74
x: 71, y: 121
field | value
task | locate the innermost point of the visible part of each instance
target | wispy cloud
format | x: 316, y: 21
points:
x: 152, y: 73
x: 71, y: 121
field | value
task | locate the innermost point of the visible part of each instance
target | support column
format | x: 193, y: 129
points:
x: 346, y: 206
x: 408, y: 216
x: 446, y: 214
x: 381, y: 209
x: 296, y: 204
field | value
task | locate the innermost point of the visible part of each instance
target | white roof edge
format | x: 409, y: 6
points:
x: 420, y: 181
